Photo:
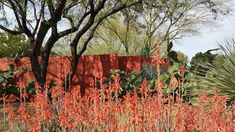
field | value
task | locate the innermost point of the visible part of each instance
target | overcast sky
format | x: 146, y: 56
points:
x: 208, y: 38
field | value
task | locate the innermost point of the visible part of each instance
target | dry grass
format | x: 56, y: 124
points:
x: 5, y: 127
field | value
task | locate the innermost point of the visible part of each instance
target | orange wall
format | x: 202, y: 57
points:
x: 89, y: 67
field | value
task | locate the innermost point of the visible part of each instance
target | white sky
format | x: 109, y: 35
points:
x: 208, y: 38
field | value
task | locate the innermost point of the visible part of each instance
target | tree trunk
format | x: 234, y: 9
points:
x: 36, y: 64
x: 46, y: 55
x: 73, y: 68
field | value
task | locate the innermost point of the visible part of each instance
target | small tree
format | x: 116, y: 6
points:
x: 157, y: 22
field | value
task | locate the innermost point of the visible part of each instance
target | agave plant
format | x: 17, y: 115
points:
x: 221, y: 74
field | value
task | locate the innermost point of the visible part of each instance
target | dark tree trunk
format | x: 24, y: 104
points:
x: 73, y: 67
x: 46, y: 54
x: 35, y: 53
x: 35, y: 66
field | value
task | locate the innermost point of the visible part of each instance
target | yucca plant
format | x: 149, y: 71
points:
x: 221, y: 74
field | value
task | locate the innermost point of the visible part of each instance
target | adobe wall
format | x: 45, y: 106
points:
x: 88, y: 69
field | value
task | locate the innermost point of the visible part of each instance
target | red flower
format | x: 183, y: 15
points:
x: 24, y: 95
x: 10, y: 111
x: 12, y: 98
x: 143, y: 87
x: 157, y: 60
x: 21, y: 108
x: 174, y: 82
x: 57, y: 92
x: 4, y: 97
x: 182, y: 70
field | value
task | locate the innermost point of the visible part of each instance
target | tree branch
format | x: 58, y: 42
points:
x: 15, y: 13
x: 10, y: 31
x: 91, y: 3
x: 74, y: 29
x: 59, y: 9
x: 39, y: 18
x: 115, y: 10
x: 51, y: 8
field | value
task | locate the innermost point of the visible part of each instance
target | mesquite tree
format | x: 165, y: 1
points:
x: 40, y: 20
x: 158, y: 22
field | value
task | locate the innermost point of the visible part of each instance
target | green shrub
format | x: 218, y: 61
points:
x: 8, y: 85
x: 221, y: 74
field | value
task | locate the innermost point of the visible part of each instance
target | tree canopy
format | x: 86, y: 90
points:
x: 13, y: 46
x: 129, y: 32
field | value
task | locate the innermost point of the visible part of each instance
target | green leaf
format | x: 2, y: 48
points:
x: 173, y: 68
x: 166, y: 90
x: 193, y: 102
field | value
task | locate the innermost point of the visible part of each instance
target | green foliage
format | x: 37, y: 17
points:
x: 136, y: 30
x: 182, y: 57
x: 30, y: 88
x: 199, y: 59
x: 117, y: 36
x: 221, y: 73
x: 198, y: 71
x: 13, y: 46
x: 185, y: 85
x: 6, y: 81
x: 8, y: 84
x: 149, y: 72
x: 129, y: 81
x: 146, y: 51
x: 133, y: 80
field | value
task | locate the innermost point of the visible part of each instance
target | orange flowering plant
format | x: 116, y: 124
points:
x: 100, y: 110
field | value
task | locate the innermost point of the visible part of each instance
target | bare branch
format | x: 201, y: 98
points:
x: 51, y: 7
x: 34, y: 9
x: 91, y: 3
x: 10, y: 31
x: 15, y: 10
x: 74, y: 29
x: 71, y: 5
x: 40, y: 18
x: 59, y: 9
x: 115, y: 10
